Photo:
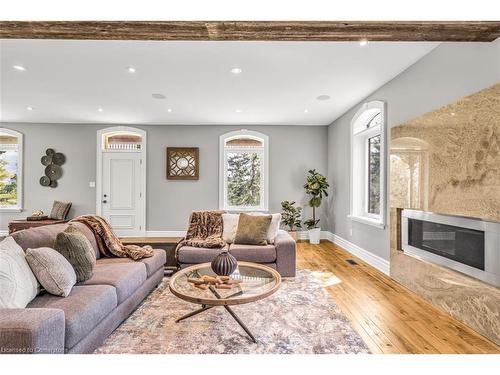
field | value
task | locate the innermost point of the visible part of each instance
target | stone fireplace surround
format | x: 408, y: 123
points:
x: 448, y: 162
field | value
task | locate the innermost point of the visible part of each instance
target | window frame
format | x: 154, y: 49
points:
x: 20, y: 164
x: 360, y: 135
x: 264, y: 153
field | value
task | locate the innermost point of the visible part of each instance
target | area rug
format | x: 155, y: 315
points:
x: 300, y: 318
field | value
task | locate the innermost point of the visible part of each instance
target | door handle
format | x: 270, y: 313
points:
x: 104, y: 201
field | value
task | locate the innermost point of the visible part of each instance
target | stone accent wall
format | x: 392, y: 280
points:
x: 448, y: 161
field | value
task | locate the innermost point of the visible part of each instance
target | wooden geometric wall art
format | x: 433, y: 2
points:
x: 182, y: 163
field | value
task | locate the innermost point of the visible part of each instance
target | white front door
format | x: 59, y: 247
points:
x: 122, y: 198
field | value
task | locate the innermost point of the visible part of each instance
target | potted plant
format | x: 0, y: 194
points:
x: 316, y: 187
x: 290, y: 217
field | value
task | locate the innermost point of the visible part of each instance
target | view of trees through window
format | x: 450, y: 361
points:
x: 374, y: 175
x: 8, y: 176
x: 243, y: 179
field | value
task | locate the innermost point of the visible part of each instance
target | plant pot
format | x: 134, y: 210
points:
x: 293, y: 234
x: 314, y: 236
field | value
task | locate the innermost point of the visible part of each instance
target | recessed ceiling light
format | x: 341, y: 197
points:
x: 19, y: 67
x: 323, y: 97
x: 131, y: 69
x: 100, y: 110
x: 453, y: 113
x: 236, y: 70
x: 29, y: 108
x: 169, y: 110
x: 158, y: 96
x: 238, y: 111
x: 306, y: 111
x: 363, y: 42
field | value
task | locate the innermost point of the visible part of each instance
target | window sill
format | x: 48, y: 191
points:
x: 366, y: 220
x: 16, y: 209
x: 237, y: 210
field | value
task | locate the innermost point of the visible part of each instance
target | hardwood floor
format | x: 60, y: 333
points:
x: 389, y: 317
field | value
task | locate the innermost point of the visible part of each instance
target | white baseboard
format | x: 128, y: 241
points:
x: 165, y: 233
x: 373, y: 260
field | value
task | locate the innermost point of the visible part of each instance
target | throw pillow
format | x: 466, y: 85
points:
x: 76, y: 248
x: 274, y: 227
x: 229, y: 226
x: 252, y: 229
x: 52, y: 270
x: 60, y: 210
x: 18, y: 285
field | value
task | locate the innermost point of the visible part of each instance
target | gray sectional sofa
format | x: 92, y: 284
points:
x: 281, y: 255
x: 80, y: 322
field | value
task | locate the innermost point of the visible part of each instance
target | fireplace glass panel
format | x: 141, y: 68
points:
x: 459, y: 244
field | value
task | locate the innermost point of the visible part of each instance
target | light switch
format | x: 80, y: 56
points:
x: 92, y: 184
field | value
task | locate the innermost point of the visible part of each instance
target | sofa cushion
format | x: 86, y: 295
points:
x: 18, y: 285
x: 253, y: 253
x: 77, y: 249
x: 45, y: 236
x: 194, y: 255
x: 152, y: 264
x: 83, y: 309
x: 125, y: 277
x: 52, y: 270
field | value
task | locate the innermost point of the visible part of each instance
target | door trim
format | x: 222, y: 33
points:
x: 143, y: 168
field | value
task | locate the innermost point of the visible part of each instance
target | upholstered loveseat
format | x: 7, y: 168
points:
x: 281, y: 255
x: 80, y: 322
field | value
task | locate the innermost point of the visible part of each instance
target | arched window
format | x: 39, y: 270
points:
x: 368, y: 164
x: 11, y: 170
x: 243, y: 171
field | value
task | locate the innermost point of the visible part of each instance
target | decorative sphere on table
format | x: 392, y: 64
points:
x: 224, y: 264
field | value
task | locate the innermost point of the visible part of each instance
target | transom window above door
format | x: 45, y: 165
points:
x: 11, y: 170
x: 243, y: 170
x: 122, y: 141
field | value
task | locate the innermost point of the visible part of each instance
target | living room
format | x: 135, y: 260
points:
x: 284, y: 187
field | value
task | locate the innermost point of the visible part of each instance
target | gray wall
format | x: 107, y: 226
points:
x: 449, y: 72
x: 293, y: 150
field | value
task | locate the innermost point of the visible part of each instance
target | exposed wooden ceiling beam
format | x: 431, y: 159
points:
x: 460, y: 31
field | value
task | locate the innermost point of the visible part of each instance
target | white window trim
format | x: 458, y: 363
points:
x: 265, y: 168
x: 20, y: 164
x: 358, y: 211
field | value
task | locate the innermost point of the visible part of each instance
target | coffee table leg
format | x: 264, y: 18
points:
x: 233, y: 314
x: 195, y: 312
x: 242, y: 325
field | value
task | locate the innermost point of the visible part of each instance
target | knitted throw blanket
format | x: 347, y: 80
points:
x: 205, y: 230
x: 108, y: 243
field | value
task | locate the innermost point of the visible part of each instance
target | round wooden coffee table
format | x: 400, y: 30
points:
x: 257, y: 282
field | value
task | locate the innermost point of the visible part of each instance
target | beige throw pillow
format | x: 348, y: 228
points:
x: 252, y: 229
x: 229, y: 225
x: 52, y: 270
x: 78, y: 250
x: 18, y: 285
x: 274, y: 227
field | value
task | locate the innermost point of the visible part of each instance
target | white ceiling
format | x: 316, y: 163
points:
x: 67, y: 81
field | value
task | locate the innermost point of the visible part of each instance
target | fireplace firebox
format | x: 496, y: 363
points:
x: 467, y: 245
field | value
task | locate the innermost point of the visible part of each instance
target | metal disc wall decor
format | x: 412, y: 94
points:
x: 52, y: 161
x: 58, y: 158
x: 44, y: 181
x: 46, y: 160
